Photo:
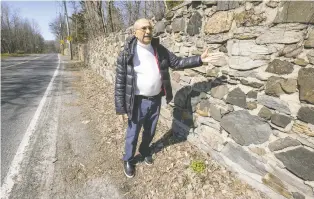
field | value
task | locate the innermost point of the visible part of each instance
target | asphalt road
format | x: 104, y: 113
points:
x: 24, y: 81
x: 46, y: 142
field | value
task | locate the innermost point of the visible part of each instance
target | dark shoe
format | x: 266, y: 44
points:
x: 129, y: 169
x: 148, y: 160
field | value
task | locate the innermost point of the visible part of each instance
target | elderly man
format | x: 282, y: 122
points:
x: 142, y: 78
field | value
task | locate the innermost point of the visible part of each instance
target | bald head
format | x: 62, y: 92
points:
x: 140, y: 22
x: 143, y: 30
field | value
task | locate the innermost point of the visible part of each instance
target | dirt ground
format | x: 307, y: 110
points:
x: 180, y: 170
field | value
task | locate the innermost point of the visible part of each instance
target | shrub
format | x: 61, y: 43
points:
x: 198, y: 166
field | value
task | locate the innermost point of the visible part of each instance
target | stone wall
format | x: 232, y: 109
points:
x: 252, y: 111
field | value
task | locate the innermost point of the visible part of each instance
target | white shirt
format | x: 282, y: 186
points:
x: 147, y: 74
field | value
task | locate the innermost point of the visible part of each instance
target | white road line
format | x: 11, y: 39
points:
x: 23, y: 62
x: 14, y: 169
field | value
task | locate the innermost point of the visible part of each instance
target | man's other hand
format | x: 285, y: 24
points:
x: 211, y: 57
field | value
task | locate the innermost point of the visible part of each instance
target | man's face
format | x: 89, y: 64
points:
x: 144, y: 31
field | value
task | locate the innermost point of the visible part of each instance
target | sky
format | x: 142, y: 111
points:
x: 43, y: 12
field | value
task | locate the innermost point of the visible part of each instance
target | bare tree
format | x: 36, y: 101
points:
x: 134, y: 10
x: 93, y: 14
x: 18, y: 34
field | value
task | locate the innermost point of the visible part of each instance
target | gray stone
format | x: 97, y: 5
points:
x: 194, y: 25
x: 217, y: 111
x: 208, y: 122
x: 272, y: 4
x: 291, y: 26
x: 237, y: 97
x: 238, y: 74
x: 261, y: 57
x: 227, y: 5
x: 179, y: 13
x: 253, y: 84
x: 299, y: 161
x: 256, y: 131
x: 247, y: 48
x: 168, y: 29
x: 274, y: 36
x: 294, y: 53
x: 186, y: 79
x: 249, y: 18
x: 258, y: 150
x: 302, y: 129
x: 290, y: 12
x: 249, y: 32
x: 274, y: 103
x: 159, y: 28
x: 291, y: 50
x: 220, y: 22
x: 199, y: 44
x: 213, y: 72
x: 190, y: 73
x: 209, y: 11
x: 197, y: 52
x: 265, y: 113
x: 243, y: 158
x: 289, y: 85
x: 251, y: 105
x: 188, y: 44
x: 219, y: 91
x: 217, y: 38
x: 297, y: 195
x: 273, y: 86
x: 211, y: 137
x: 280, y: 67
x: 306, y: 84
x: 167, y: 23
x: 310, y: 56
x: 202, y: 69
x: 256, y: 2
x: 223, y: 49
x: 178, y: 25
x: 283, y: 143
x: 251, y: 94
x: 306, y: 114
x: 169, y: 15
x: 301, y: 62
x: 309, y: 42
x: 220, y: 62
x: 203, y: 108
x: 158, y: 16
x: 176, y: 76
x: 292, y: 180
x: 245, y: 63
x: 209, y: 2
x: 276, y: 184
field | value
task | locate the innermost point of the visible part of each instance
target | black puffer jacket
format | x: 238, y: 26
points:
x: 125, y: 75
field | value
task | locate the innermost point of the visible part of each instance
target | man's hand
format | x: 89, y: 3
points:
x: 123, y: 118
x: 211, y: 57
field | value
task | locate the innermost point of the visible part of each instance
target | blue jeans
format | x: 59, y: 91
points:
x: 146, y: 114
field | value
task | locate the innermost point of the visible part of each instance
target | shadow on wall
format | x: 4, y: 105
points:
x: 185, y: 101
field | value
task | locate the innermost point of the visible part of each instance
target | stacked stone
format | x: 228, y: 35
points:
x: 253, y: 110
